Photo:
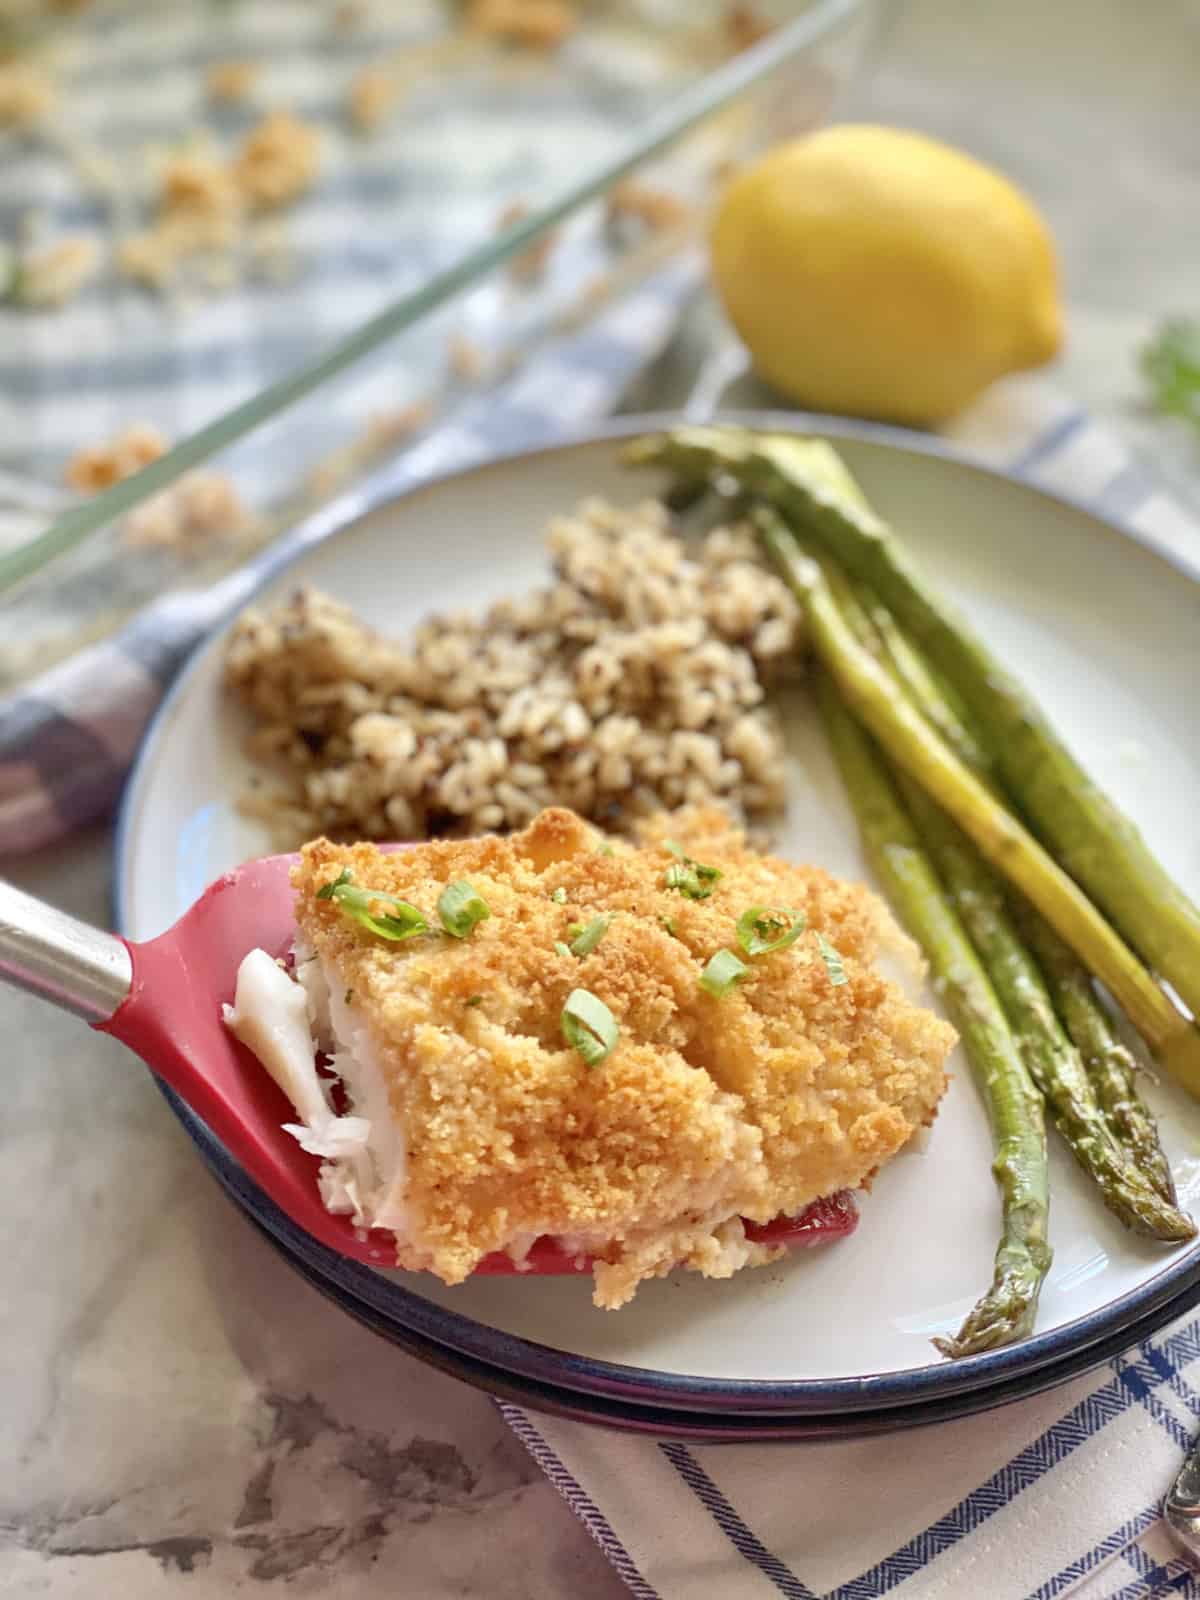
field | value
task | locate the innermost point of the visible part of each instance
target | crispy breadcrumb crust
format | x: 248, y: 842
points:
x: 785, y: 1089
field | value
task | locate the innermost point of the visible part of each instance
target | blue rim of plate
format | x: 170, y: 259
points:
x: 384, y: 1304
x: 733, y: 1427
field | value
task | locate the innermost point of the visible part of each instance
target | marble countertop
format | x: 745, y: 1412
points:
x: 178, y: 1410
x: 179, y: 1414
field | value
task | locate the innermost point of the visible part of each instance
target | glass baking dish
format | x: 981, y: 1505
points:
x: 473, y: 201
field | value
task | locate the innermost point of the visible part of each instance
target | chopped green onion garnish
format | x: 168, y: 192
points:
x: 681, y: 854
x: 586, y: 939
x: 691, y: 878
x: 833, y: 961
x: 604, y: 850
x: 687, y: 879
x: 475, y: 1000
x: 721, y: 972
x: 763, y: 929
x: 669, y: 924
x: 559, y: 896
x: 588, y: 1026
x: 400, y: 921
x: 561, y: 949
x: 460, y: 906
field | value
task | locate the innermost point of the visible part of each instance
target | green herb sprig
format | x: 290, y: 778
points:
x: 461, y: 908
x: 400, y: 921
x: 589, y: 1027
x: 692, y: 878
x: 832, y: 958
x: 585, y: 939
x: 762, y: 930
x: 721, y: 972
x: 1170, y: 364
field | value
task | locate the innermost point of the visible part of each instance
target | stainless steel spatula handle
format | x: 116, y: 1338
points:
x: 48, y: 953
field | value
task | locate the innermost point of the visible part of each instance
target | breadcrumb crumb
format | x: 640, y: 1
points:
x: 389, y: 428
x: 466, y: 359
x: 199, y: 212
x: 278, y: 161
x: 99, y: 466
x: 374, y: 94
x: 27, y: 95
x: 230, y: 82
x: 55, y: 275
x: 535, y: 24
x: 744, y: 26
x: 148, y: 258
x: 200, y: 204
x: 201, y: 507
x: 656, y: 209
x: 529, y: 264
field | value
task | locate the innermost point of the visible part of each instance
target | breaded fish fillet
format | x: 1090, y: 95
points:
x: 793, y: 1083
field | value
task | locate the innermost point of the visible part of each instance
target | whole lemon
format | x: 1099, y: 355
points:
x: 881, y: 273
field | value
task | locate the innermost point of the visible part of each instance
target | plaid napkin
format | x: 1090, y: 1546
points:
x: 1054, y: 1496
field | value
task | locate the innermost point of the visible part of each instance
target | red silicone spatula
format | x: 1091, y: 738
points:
x: 163, y: 999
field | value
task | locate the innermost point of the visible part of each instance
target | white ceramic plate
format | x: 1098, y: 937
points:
x: 1104, y: 628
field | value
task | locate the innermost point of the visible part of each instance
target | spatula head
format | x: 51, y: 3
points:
x: 172, y: 1019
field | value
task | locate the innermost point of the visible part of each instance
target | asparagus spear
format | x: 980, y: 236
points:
x: 1008, y: 1308
x: 932, y: 696
x: 1001, y: 838
x: 1096, y: 843
x: 1110, y: 1066
x: 1053, y: 1061
x: 979, y: 898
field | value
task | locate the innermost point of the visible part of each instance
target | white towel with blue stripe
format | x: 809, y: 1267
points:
x: 1051, y: 1497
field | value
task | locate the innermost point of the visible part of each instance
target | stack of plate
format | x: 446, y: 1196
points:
x: 835, y: 1341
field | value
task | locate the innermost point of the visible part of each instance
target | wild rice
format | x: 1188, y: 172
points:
x: 633, y: 683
